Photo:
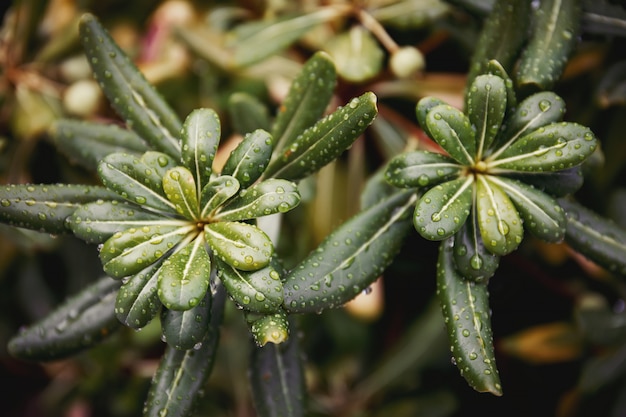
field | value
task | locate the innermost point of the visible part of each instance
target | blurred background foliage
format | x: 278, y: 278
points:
x: 559, y: 321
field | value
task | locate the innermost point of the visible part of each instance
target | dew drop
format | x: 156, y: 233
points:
x: 544, y: 105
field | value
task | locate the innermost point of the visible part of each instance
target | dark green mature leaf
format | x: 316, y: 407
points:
x: 452, y: 130
x: 495, y: 67
x: 180, y: 188
x: 81, y: 322
x: 558, y: 184
x: 325, y: 140
x: 471, y: 258
x: 240, y: 245
x: 186, y: 329
x: 443, y: 209
x: 423, y: 107
x: 216, y: 193
x: 247, y: 113
x: 264, y: 198
x: 182, y: 374
x: 137, y: 300
x: 86, y: 143
x: 258, y: 291
x: 250, y: 158
x: 351, y: 257
x: 200, y: 139
x: 277, y: 379
x: 306, y: 101
x: 421, y: 169
x: 486, y: 103
x: 45, y: 207
x: 160, y: 163
x: 184, y: 277
x: 376, y: 188
x: 598, y: 238
x: 268, y: 328
x: 130, y: 94
x: 465, y: 307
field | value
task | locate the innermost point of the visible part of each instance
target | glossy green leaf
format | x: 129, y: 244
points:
x: 137, y: 301
x: 471, y: 258
x: 452, y: 130
x: 264, y: 198
x: 180, y: 189
x: 466, y: 311
x: 423, y: 107
x: 268, y: 328
x: 160, y: 163
x: 81, y: 322
x: 86, y: 143
x: 421, y: 169
x: 186, y: 329
x: 184, y: 277
x: 486, y: 103
x: 542, y: 215
x: 247, y: 113
x: 350, y: 258
x: 250, y: 158
x: 443, y: 209
x: 498, y: 220
x: 130, y: 94
x: 376, y: 188
x: 127, y: 253
x: 182, y: 374
x: 258, y: 291
x: 216, y: 193
x: 308, y: 97
x: 554, y: 147
x: 46, y: 207
x: 240, y: 245
x: 199, y: 141
x: 356, y: 53
x: 325, y: 140
x: 598, y: 238
x: 494, y: 67
x: 133, y: 180
x: 558, y: 184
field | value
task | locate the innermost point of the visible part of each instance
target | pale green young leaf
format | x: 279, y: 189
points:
x: 180, y: 188
x: 216, y: 193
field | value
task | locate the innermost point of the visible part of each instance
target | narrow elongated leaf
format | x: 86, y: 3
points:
x: 423, y: 107
x: 465, y: 307
x: 137, y: 301
x: 376, y: 188
x: 200, y: 139
x: 542, y: 215
x: 240, y: 245
x: 250, y: 158
x: 471, y: 258
x: 129, y: 93
x: 264, y: 198
x: 277, y: 379
x: 598, y: 238
x: 45, y: 207
x: 216, y: 193
x: 127, y: 253
x: 495, y: 67
x: 180, y: 189
x: 258, y: 291
x: 247, y: 113
x: 350, y: 258
x: 186, y: 329
x: 81, y: 322
x: 443, y: 209
x: 184, y: 277
x: 86, y: 143
x: 421, y: 169
x: 268, y: 328
x: 452, y: 130
x: 486, y: 103
x: 554, y: 147
x: 498, y: 220
x: 324, y: 141
x: 308, y: 97
x: 182, y: 374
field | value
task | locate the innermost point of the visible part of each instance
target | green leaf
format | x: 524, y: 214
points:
x: 46, y: 207
x: 498, y: 220
x: 186, y: 329
x: 250, y: 158
x: 452, y: 130
x: 423, y: 107
x: 356, y: 53
x: 81, y: 322
x: 86, y: 143
x: 216, y: 193
x: 200, y: 139
x: 598, y: 238
x: 324, y: 141
x: 421, y: 169
x: 160, y: 163
x: 184, y: 277
x: 264, y: 198
x: 247, y: 113
x: 240, y: 245
x: 443, y: 209
x: 350, y: 258
x: 308, y: 97
x: 258, y: 291
x: 555, y: 28
x: 182, y: 374
x: 180, y: 189
x: 465, y: 307
x: 494, y: 67
x: 486, y: 104
x: 137, y: 300
x: 132, y: 97
x: 376, y: 188
x: 554, y: 147
x: 277, y: 379
x: 471, y: 258
x: 127, y: 253
x: 542, y: 215
x: 558, y: 184
x: 268, y: 328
